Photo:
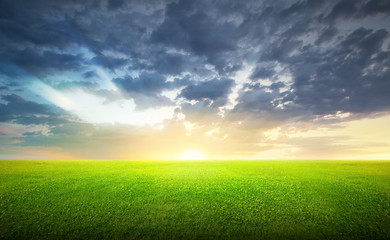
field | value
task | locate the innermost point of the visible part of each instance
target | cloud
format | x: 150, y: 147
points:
x: 21, y: 24
x: 262, y: 72
x: 114, y: 4
x: 252, y: 65
x: 46, y: 62
x: 18, y: 110
x: 324, y: 78
x: 145, y: 83
x: 212, y: 89
x: 344, y: 71
x: 147, y: 89
x: 375, y: 7
x: 206, y: 39
x: 190, y: 28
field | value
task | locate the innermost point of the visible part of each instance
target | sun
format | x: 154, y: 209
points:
x: 191, y: 155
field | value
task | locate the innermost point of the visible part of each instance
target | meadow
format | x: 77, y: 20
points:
x: 194, y: 199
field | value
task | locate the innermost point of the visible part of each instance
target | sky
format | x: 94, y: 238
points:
x: 181, y: 79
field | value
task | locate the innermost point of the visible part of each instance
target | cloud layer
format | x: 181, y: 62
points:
x: 232, y: 69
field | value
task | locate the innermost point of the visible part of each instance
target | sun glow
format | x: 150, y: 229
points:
x: 191, y: 155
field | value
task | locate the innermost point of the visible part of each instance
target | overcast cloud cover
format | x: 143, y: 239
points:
x: 91, y: 78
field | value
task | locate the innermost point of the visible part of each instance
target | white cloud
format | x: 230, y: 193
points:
x: 92, y: 109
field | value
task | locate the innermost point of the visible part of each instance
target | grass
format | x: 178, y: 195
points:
x: 195, y: 200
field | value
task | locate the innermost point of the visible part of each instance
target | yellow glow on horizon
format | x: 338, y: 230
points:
x: 191, y: 155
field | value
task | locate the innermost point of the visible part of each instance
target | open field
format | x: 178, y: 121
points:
x: 195, y: 200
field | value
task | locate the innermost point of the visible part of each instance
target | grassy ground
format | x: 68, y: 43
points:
x: 195, y: 200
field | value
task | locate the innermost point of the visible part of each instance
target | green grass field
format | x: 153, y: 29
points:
x: 195, y: 200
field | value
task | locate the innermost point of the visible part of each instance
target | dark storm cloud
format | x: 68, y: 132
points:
x: 209, y: 96
x: 109, y: 62
x: 347, y: 9
x: 184, y: 28
x: 326, y: 35
x: 147, y: 83
x: 262, y: 72
x: 170, y: 64
x: 187, y: 26
x: 43, y: 63
x: 212, y: 89
x: 377, y: 6
x: 18, y: 106
x: 18, y: 110
x: 344, y: 9
x: 335, y: 52
x: 114, y: 4
x: 36, y: 23
x: 348, y: 77
x: 10, y: 71
x: 90, y: 74
x: 147, y: 88
x: 299, y: 7
x: 257, y: 99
